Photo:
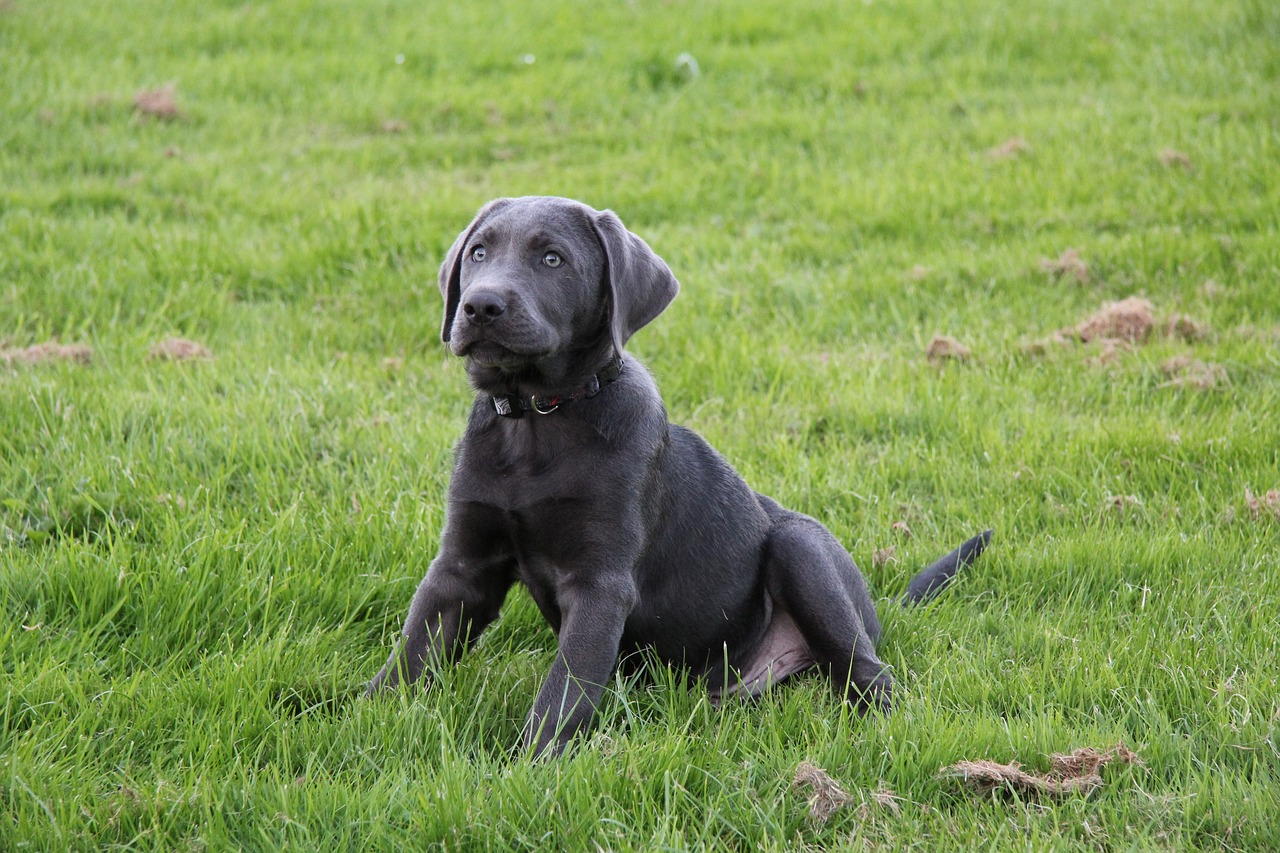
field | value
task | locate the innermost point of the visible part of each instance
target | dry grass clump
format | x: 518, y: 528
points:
x: 884, y: 556
x: 885, y: 798
x: 826, y: 797
x: 1079, y: 771
x: 170, y: 499
x: 1263, y: 507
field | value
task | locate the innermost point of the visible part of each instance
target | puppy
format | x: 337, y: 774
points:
x: 628, y: 531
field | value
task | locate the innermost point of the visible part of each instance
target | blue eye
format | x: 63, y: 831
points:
x: 477, y: 254
x: 552, y: 259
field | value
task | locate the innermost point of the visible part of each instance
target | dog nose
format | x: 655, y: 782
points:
x: 483, y: 307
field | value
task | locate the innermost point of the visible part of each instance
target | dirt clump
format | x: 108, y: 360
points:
x: 1184, y: 371
x: 1211, y: 289
x: 1109, y: 351
x: 159, y: 103
x: 1120, y: 503
x: 944, y: 348
x: 1069, y: 263
x: 1118, y: 327
x: 1129, y: 319
x: 1172, y: 158
x: 1187, y: 328
x: 44, y: 353
x: 1010, y: 149
x: 179, y: 349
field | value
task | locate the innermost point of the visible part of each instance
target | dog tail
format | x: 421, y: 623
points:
x: 934, y: 579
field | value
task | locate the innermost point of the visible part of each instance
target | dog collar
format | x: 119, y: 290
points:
x: 514, y: 406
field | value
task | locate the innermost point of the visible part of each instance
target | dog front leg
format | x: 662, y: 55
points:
x: 454, y: 603
x: 594, y: 616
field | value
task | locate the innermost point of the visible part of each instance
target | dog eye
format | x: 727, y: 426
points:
x: 552, y: 259
x: 477, y: 254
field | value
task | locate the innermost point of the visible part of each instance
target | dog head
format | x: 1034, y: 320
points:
x: 538, y: 281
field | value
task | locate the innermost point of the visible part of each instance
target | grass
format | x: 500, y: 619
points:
x: 202, y: 562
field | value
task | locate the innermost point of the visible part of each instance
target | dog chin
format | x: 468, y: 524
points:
x: 491, y: 354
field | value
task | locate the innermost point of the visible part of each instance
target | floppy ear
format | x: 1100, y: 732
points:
x: 640, y: 283
x: 451, y: 269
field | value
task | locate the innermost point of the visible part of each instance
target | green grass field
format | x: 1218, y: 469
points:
x: 203, y: 561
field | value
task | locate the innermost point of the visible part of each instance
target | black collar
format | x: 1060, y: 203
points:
x: 513, y: 406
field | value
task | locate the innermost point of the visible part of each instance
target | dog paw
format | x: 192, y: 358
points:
x: 876, y: 696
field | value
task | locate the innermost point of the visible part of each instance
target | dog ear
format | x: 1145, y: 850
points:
x: 451, y: 268
x: 640, y: 283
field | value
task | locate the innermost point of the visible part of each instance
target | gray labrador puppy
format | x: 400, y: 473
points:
x: 628, y: 531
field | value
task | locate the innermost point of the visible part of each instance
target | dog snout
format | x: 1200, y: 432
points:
x: 482, y: 307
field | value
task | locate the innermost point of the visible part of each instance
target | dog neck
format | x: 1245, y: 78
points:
x: 543, y: 386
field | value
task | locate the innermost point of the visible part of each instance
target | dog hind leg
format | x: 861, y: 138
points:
x: 814, y: 582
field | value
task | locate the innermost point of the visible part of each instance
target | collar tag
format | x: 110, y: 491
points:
x: 502, y: 405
